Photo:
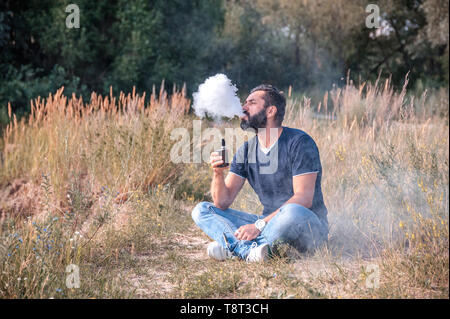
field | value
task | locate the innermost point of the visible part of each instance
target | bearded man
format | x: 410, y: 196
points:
x: 283, y: 167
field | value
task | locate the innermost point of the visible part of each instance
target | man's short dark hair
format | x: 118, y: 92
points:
x: 273, y: 96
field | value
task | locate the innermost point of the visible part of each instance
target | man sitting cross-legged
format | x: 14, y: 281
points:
x: 283, y: 166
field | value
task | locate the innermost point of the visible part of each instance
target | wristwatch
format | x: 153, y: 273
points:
x: 260, y: 224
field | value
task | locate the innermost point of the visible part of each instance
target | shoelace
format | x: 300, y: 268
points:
x: 254, y: 245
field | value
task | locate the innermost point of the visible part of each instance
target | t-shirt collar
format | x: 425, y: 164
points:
x: 266, y: 150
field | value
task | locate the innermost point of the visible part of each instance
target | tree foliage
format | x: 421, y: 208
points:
x: 125, y: 43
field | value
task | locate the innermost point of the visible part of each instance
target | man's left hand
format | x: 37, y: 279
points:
x: 247, y: 232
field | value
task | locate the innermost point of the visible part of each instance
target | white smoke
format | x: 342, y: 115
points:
x: 217, y: 98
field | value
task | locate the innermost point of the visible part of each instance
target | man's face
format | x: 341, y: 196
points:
x: 254, y: 111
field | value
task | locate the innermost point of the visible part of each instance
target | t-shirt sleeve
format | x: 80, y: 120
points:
x: 238, y: 166
x: 305, y: 156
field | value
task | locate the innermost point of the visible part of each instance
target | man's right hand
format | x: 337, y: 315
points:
x: 215, y: 160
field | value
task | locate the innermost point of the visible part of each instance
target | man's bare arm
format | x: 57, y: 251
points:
x: 223, y: 190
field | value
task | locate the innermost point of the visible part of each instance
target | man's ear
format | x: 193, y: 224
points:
x: 271, y: 111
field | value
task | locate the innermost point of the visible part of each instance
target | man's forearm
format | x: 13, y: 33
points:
x: 219, y: 191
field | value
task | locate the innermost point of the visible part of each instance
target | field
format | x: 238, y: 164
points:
x: 92, y: 184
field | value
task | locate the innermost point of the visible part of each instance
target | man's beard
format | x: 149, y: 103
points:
x: 259, y: 120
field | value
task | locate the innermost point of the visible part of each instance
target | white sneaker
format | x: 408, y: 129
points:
x: 258, y: 253
x: 216, y: 251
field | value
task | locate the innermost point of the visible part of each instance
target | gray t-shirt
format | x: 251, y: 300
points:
x: 270, y: 175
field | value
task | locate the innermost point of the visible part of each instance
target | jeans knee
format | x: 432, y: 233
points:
x: 296, y: 221
x: 200, y: 209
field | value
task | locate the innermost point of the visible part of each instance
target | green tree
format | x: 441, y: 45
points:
x: 436, y: 31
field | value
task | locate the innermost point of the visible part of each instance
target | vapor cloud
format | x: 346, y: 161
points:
x: 217, y: 98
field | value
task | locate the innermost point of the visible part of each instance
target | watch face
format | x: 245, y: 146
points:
x: 260, y: 224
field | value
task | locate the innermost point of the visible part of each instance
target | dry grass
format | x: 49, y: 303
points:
x: 123, y: 208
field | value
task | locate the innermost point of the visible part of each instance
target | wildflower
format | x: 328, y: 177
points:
x: 400, y: 224
x: 58, y: 289
x: 45, y: 229
x: 21, y: 240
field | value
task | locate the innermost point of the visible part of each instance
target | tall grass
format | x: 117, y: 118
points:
x: 108, y: 192
x: 111, y: 141
x: 88, y: 159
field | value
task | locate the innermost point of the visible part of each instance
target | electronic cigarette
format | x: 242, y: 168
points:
x: 223, y: 153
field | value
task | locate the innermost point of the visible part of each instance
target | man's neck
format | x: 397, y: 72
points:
x: 269, y: 135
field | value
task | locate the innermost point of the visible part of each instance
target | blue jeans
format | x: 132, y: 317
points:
x: 293, y: 224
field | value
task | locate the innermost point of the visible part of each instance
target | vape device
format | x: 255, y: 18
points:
x: 223, y: 153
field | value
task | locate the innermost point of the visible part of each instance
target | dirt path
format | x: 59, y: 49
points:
x: 152, y: 275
